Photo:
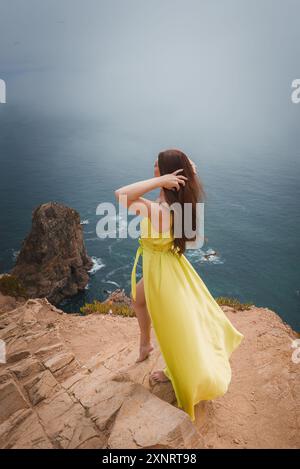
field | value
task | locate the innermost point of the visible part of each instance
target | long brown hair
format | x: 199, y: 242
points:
x: 192, y: 192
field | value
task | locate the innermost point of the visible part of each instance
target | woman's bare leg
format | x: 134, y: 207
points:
x: 144, y: 320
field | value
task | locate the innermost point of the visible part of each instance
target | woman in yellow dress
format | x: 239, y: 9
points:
x: 195, y: 336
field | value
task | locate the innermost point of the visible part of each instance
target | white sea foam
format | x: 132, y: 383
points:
x: 112, y: 283
x: 15, y: 254
x: 198, y: 255
x: 123, y: 267
x: 238, y: 206
x: 97, y: 265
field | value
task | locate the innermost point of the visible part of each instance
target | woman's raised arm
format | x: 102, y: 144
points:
x: 131, y: 195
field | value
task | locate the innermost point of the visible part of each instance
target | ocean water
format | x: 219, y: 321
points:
x: 251, y: 212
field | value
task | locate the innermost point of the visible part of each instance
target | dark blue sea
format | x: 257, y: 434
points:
x: 251, y: 212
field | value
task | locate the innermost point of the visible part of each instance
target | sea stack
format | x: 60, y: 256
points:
x: 53, y: 261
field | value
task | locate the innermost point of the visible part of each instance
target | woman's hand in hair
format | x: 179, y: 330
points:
x: 173, y: 180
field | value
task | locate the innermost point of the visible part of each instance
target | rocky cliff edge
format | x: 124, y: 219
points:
x: 71, y: 381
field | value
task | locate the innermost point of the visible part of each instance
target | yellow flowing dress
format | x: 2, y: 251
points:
x: 194, y: 335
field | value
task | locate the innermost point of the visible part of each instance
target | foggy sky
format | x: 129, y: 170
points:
x: 225, y: 64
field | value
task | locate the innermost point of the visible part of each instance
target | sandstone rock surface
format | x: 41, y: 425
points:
x: 71, y: 381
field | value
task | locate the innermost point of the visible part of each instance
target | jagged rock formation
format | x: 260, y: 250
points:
x: 72, y: 382
x: 53, y: 262
x: 119, y: 296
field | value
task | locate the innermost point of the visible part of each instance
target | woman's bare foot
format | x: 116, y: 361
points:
x: 159, y: 376
x: 144, y: 352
